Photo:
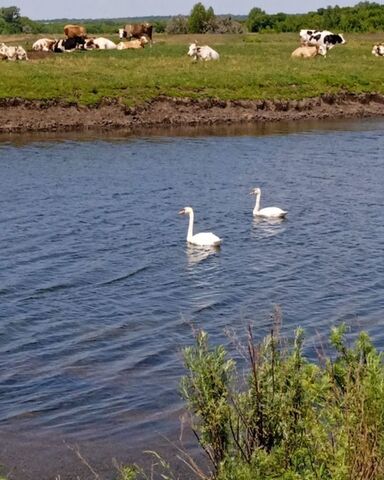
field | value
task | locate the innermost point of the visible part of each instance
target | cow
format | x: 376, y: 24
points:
x: 326, y: 38
x: 306, y: 51
x: 305, y: 35
x: 136, y: 30
x: 378, y: 50
x: 132, y: 44
x: 203, y: 53
x: 12, y: 53
x: 100, y: 43
x: 69, y: 44
x: 71, y: 31
x: 44, y: 44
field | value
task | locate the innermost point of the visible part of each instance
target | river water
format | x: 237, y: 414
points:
x: 98, y: 288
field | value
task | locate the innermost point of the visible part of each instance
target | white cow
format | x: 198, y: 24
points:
x: 100, y: 43
x: 378, y: 50
x: 104, y: 43
x: 12, y: 53
x: 203, y: 53
x: 44, y: 44
x: 307, y: 52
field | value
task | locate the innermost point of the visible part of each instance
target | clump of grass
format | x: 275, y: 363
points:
x: 291, y: 418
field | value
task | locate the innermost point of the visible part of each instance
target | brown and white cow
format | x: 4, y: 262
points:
x: 44, y: 44
x: 136, y: 30
x: 132, y: 44
x: 306, y: 51
x: 71, y: 31
x: 12, y: 53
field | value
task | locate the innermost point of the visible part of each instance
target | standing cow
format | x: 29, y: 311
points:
x: 136, y: 30
x: 71, y: 31
x: 326, y: 39
x: 305, y: 35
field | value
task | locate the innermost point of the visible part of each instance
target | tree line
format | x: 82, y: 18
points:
x: 363, y: 17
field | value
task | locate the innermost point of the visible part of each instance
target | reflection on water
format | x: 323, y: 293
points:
x: 230, y: 130
x: 267, y: 227
x: 196, y: 254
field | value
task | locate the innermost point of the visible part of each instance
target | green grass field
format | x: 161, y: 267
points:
x: 253, y: 66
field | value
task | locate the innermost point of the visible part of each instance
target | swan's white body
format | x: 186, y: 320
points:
x: 203, y: 239
x: 268, y: 212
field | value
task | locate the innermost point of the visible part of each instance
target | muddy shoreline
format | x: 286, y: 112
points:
x: 18, y: 115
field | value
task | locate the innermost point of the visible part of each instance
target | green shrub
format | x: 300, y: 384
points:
x: 290, y: 418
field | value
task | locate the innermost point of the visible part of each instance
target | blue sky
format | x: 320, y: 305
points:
x: 46, y: 9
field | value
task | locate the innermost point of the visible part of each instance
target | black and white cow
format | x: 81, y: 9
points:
x: 68, y: 44
x: 305, y: 35
x: 326, y: 39
x: 378, y: 50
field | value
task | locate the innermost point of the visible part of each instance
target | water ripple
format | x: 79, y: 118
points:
x: 100, y: 291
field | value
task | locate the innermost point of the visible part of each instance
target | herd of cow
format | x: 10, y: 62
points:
x: 313, y: 42
x: 135, y: 36
x: 316, y: 42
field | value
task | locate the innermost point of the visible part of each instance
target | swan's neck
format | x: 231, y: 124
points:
x: 190, y: 226
x: 257, y: 205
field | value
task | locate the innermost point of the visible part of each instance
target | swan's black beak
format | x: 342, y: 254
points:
x: 182, y: 211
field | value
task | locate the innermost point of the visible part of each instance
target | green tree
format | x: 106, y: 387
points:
x: 10, y: 14
x: 198, y: 18
x: 256, y: 19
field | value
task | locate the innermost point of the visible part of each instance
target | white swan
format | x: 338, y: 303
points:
x: 202, y: 239
x: 268, y: 212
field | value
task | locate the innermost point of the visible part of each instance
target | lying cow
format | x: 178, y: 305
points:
x: 132, y: 44
x: 71, y: 31
x: 69, y: 44
x: 44, y: 44
x: 203, y: 53
x: 326, y: 39
x: 100, y: 43
x: 308, y: 52
x: 136, y: 30
x: 12, y: 53
x: 378, y: 50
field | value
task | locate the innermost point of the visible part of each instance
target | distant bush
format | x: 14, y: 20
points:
x: 177, y: 25
x: 223, y: 25
x: 159, y: 26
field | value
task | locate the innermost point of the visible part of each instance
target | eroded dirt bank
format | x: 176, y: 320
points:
x: 19, y: 115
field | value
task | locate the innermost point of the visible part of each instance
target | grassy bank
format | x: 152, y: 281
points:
x: 254, y: 66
